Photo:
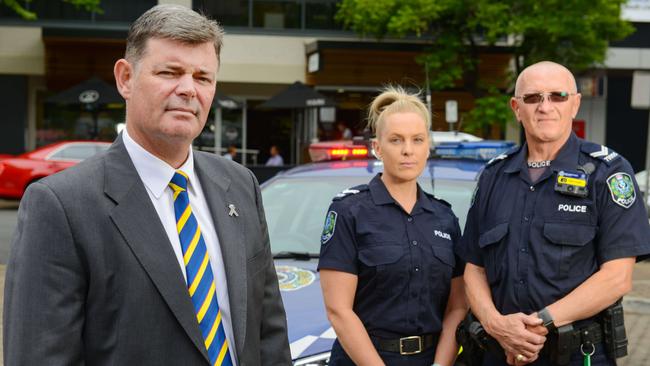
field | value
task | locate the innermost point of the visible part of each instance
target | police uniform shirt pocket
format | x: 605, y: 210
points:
x: 384, y: 260
x: 442, y: 267
x: 568, y: 252
x: 493, y: 253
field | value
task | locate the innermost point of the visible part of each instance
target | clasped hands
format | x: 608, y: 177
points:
x: 521, y: 336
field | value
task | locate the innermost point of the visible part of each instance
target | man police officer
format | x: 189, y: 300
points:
x: 553, y: 233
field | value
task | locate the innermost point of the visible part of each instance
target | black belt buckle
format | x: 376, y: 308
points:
x: 410, y: 345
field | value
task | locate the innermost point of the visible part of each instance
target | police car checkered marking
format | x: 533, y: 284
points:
x: 300, y: 345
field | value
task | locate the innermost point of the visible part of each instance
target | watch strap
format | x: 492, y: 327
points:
x: 547, y: 319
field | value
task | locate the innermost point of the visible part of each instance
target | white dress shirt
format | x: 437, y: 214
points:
x: 156, y: 175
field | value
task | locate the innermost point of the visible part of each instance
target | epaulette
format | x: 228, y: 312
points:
x: 502, y: 156
x: 437, y: 199
x: 599, y: 152
x: 350, y: 191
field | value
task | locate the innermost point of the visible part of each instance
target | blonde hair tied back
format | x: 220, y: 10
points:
x: 394, y: 99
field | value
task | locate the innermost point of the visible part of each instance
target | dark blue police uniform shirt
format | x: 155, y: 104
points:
x: 404, y: 262
x: 536, y: 244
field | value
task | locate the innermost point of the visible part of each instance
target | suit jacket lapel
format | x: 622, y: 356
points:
x: 216, y: 187
x: 137, y: 220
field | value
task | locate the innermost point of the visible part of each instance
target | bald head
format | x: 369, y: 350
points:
x: 541, y: 70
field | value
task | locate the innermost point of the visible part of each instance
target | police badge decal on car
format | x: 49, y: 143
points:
x: 622, y: 189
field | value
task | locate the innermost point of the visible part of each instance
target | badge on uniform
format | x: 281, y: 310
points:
x: 572, y: 184
x: 328, y: 229
x: 622, y: 188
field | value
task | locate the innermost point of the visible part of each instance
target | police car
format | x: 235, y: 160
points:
x: 296, y: 202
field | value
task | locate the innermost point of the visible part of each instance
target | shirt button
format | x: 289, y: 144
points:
x: 522, y: 282
x: 526, y: 218
x: 417, y: 269
x: 532, y: 188
x: 409, y: 219
x: 524, y: 250
x: 415, y: 242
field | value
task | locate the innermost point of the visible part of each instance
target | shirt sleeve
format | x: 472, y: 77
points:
x: 459, y: 269
x: 622, y: 231
x: 468, y: 247
x: 338, y: 242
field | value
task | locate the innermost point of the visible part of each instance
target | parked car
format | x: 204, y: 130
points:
x: 438, y: 137
x: 296, y: 202
x: 17, y: 172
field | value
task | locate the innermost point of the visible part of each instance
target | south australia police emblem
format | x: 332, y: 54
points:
x: 622, y: 189
x: 293, y: 278
x: 330, y: 226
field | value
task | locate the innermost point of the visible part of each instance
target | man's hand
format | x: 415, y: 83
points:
x: 512, y: 334
x: 511, y: 358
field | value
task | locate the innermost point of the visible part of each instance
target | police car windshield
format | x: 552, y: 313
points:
x: 295, y: 208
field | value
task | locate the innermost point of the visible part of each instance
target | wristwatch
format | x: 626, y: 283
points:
x: 547, y: 319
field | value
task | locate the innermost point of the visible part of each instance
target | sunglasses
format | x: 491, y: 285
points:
x: 554, y: 97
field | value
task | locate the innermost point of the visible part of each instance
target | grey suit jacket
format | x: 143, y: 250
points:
x: 92, y: 278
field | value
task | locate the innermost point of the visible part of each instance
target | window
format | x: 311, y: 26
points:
x: 276, y: 14
x: 227, y: 13
x: 273, y: 14
x: 320, y: 15
x: 113, y: 11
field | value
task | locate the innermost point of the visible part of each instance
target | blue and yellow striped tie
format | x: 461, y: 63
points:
x: 200, y: 280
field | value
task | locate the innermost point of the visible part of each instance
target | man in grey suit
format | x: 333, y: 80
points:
x: 150, y: 253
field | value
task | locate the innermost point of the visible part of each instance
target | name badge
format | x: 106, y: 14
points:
x: 572, y: 184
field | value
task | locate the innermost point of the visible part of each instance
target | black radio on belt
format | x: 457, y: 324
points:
x: 572, y: 183
x: 614, y: 329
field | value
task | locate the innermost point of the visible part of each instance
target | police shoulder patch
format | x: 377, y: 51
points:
x: 621, y: 187
x: 350, y: 192
x: 329, y: 227
x: 599, y: 152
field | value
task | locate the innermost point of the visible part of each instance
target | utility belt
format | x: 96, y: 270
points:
x: 410, y: 345
x: 608, y: 327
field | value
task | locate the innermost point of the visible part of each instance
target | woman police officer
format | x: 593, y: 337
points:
x: 390, y: 276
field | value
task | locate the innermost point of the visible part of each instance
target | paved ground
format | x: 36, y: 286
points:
x: 637, y: 318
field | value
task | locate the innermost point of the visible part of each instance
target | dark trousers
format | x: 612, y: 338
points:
x: 340, y: 358
x: 599, y: 358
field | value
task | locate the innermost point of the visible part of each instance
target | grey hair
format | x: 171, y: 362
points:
x: 172, y: 22
x: 394, y: 99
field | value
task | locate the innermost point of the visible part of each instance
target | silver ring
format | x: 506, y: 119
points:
x: 520, y: 357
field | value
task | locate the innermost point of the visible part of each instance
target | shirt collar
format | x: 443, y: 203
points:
x: 381, y: 196
x: 566, y: 159
x: 379, y: 192
x: 155, y: 173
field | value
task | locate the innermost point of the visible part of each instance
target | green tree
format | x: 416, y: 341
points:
x: 574, y: 33
x: 15, y: 5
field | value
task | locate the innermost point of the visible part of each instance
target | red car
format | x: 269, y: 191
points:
x: 17, y: 172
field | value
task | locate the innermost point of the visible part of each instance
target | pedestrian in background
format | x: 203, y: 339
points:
x: 275, y: 159
x: 390, y: 275
x: 149, y: 253
x: 553, y: 233
x: 231, y: 153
